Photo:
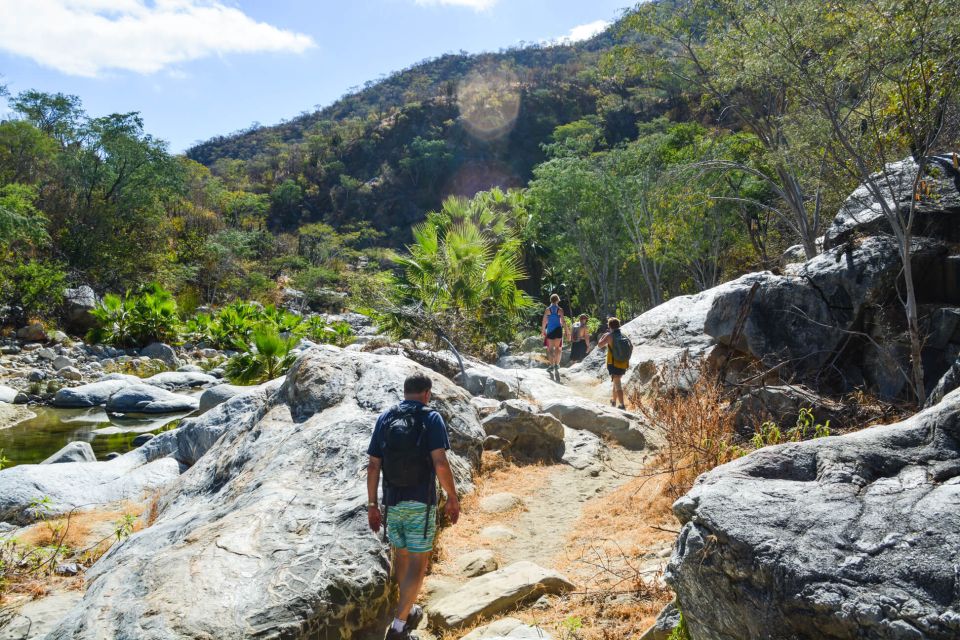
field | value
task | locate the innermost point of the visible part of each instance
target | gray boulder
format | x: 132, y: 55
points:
x: 144, y: 398
x: 266, y: 534
x: 170, y: 380
x: 218, y: 395
x: 527, y: 431
x: 862, y: 211
x: 195, y: 436
x: 476, y: 563
x: 797, y: 322
x: 11, y: 395
x: 947, y: 383
x: 80, y: 484
x: 73, y: 452
x: 77, y: 305
x: 849, y: 537
x: 142, y: 439
x: 507, y: 629
x: 61, y: 362
x: 70, y: 373
x: 93, y: 394
x: 190, y: 368
x: 580, y: 413
x: 495, y: 592
x: 667, y: 620
x: 488, y: 382
x: 162, y: 352
x: 32, y: 333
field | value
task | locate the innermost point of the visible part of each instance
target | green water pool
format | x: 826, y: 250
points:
x: 35, y: 439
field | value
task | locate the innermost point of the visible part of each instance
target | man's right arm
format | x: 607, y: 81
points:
x: 373, y: 482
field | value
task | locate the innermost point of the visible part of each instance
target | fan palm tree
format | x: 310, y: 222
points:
x: 268, y: 359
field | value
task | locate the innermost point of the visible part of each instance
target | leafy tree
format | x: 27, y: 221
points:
x: 58, y: 115
x: 710, y: 50
x: 20, y: 222
x: 36, y: 286
x: 286, y: 204
x: 578, y: 203
x: 25, y: 152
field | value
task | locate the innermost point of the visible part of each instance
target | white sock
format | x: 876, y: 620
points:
x: 398, y: 624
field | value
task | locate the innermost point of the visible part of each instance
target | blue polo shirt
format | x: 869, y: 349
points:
x: 436, y: 434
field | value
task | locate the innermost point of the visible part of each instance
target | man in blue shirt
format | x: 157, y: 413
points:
x: 410, y: 508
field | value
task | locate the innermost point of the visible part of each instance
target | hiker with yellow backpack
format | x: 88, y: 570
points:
x: 619, y: 350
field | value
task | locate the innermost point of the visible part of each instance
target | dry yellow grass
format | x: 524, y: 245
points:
x: 497, y: 476
x: 81, y: 529
x: 82, y: 537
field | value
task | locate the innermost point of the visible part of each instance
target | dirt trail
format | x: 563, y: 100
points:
x: 554, y: 497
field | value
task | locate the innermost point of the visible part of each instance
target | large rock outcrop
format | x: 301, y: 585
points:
x: 936, y: 210
x: 266, y: 535
x: 842, y: 538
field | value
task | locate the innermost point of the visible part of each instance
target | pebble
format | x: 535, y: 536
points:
x: 70, y: 373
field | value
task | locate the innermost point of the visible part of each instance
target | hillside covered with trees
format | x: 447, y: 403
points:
x: 689, y: 143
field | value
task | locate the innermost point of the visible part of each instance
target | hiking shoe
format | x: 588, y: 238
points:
x: 393, y: 634
x: 622, y: 408
x: 414, y: 618
x: 613, y: 403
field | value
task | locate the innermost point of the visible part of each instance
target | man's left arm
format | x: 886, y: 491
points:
x: 445, y: 475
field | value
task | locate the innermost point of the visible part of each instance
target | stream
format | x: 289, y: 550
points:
x: 34, y: 439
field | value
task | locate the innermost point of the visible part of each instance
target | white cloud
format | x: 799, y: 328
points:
x: 476, y: 5
x: 581, y: 32
x: 87, y: 37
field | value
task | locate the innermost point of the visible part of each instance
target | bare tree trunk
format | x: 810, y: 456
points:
x: 913, y: 328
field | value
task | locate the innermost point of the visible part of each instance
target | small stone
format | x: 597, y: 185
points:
x: 46, y: 353
x: 190, y: 368
x: 142, y: 439
x: 36, y: 375
x: 500, y: 503
x: 9, y: 349
x: 497, y: 532
x: 113, y: 455
x: 70, y: 373
x: 67, y: 569
x: 62, y: 362
x: 163, y: 352
x: 59, y: 337
x: 73, y: 452
x: 33, y: 333
x: 476, y: 563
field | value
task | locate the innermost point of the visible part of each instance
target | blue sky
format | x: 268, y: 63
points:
x: 199, y: 68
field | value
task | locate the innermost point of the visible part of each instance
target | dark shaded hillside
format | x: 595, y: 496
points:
x: 389, y: 153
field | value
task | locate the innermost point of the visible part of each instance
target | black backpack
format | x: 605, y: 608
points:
x: 406, y: 460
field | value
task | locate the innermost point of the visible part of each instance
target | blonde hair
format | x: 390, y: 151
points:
x: 613, y: 323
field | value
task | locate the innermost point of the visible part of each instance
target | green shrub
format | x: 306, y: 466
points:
x: 136, y: 319
x: 769, y: 433
x: 320, y: 331
x: 268, y: 358
x: 36, y: 286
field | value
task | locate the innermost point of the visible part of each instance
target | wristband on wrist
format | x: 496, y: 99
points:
x: 372, y: 505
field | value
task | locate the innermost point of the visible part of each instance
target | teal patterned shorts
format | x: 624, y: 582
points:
x: 405, y: 526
